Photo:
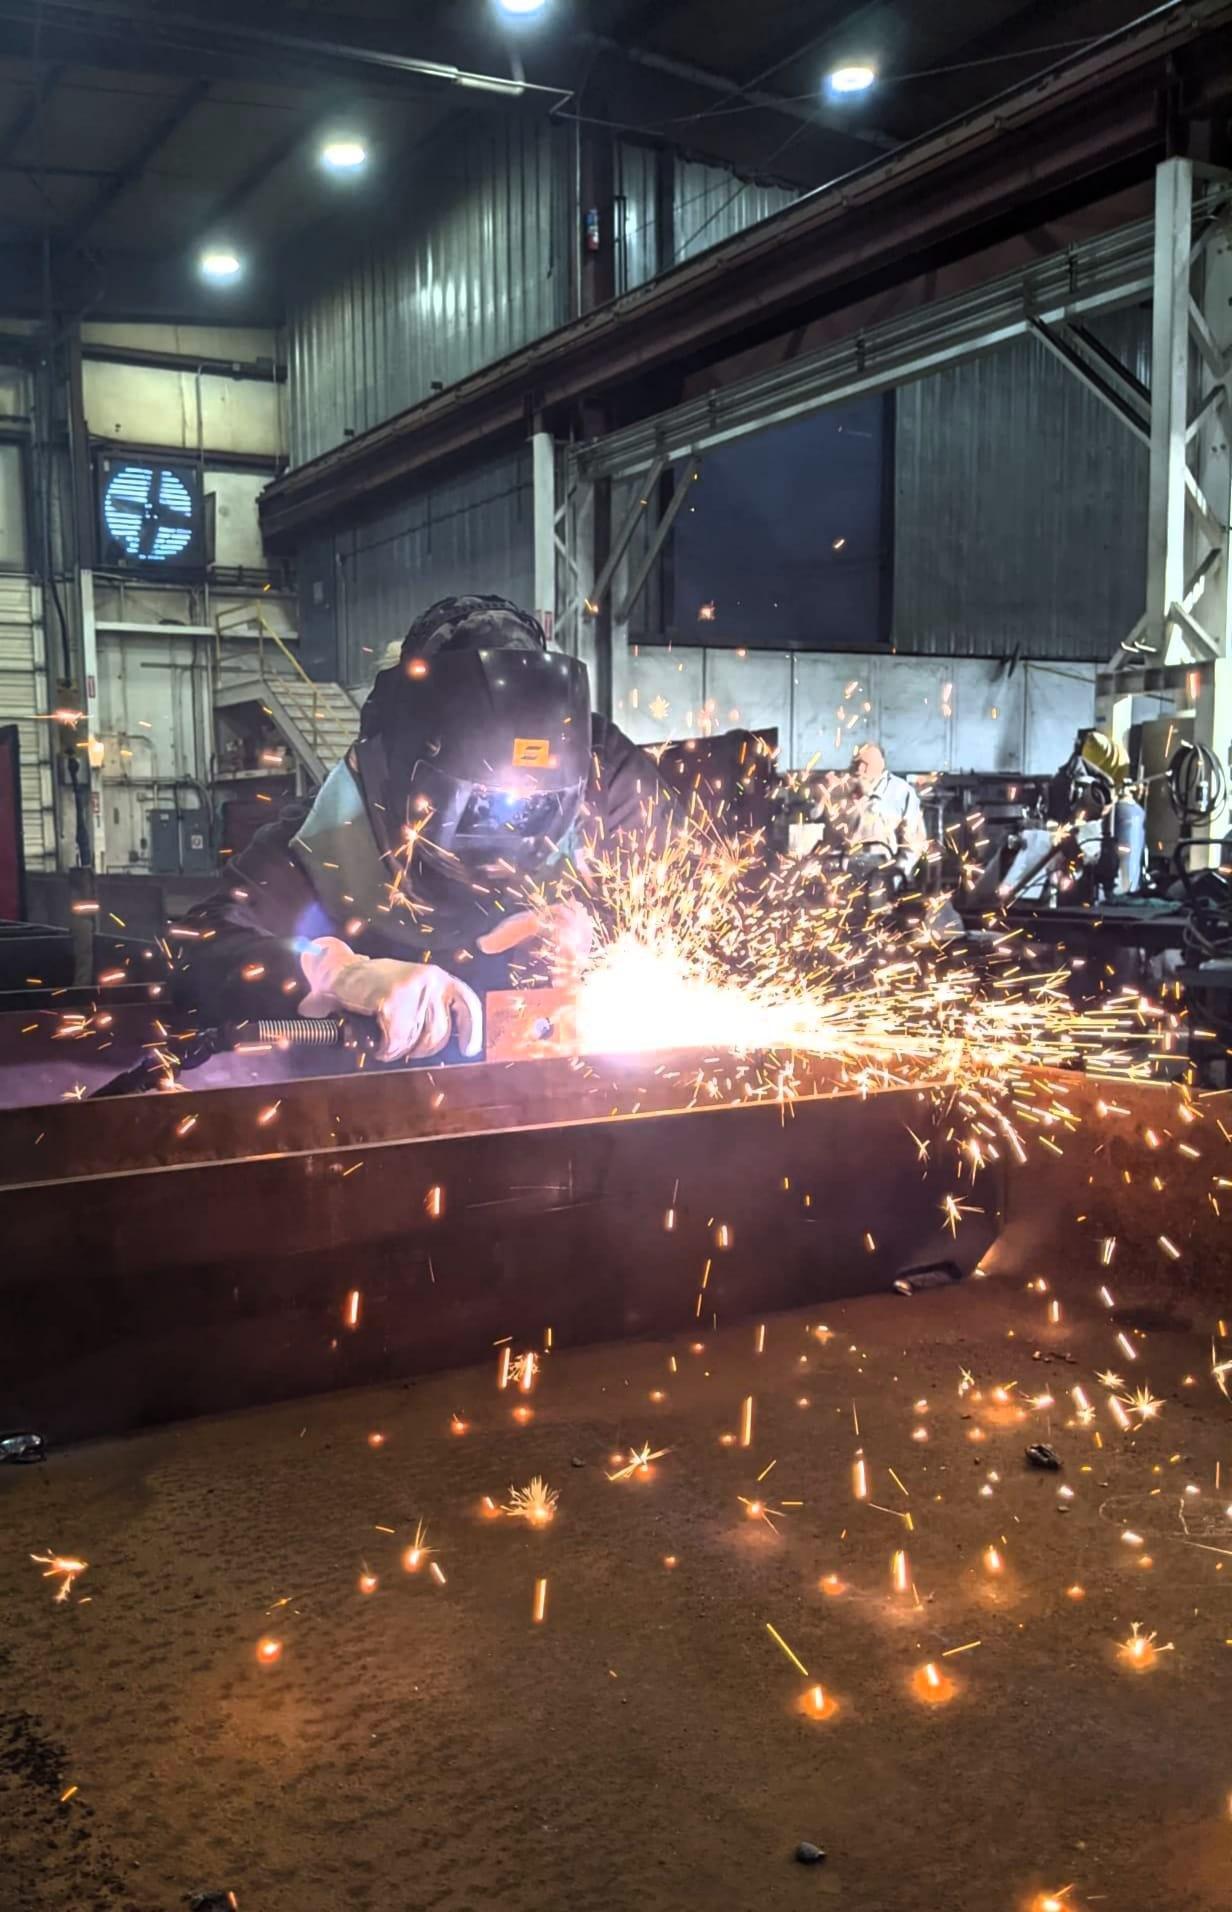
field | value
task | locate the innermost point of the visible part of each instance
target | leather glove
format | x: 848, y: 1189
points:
x: 417, y: 1005
x: 566, y: 928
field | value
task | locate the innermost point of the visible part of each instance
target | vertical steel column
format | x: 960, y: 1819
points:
x: 94, y: 742
x: 1210, y: 428
x: 543, y: 496
x: 1165, y: 577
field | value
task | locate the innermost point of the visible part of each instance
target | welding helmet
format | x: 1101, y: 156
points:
x: 485, y: 737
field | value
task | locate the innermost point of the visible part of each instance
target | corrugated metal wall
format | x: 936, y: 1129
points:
x: 637, y: 215
x: 1020, y: 507
x: 710, y: 203
x: 472, y: 534
x: 481, y: 268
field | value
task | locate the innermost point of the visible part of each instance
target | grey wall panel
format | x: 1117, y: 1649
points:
x: 481, y: 267
x: 1020, y: 507
x: 959, y: 713
x: 658, y: 694
x: 749, y: 692
x: 472, y: 534
x: 829, y: 688
x: 710, y: 203
x: 637, y: 236
x: 1060, y: 699
x: 988, y: 705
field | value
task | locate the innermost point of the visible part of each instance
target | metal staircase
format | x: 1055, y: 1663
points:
x: 318, y: 721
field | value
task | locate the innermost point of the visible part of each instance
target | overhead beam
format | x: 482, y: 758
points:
x: 136, y: 164
x: 1091, y: 127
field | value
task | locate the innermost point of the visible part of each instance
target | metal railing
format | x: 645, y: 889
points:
x: 252, y: 613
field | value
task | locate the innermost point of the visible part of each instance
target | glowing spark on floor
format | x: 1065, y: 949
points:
x: 540, y: 1607
x: 1145, y: 1404
x: 1140, y: 1651
x: 525, y: 1368
x: 503, y: 1361
x: 61, y: 1567
x: 931, y: 1685
x: 993, y: 1562
x: 900, y: 1572
x: 414, y: 1556
x: 639, y: 1462
x: 269, y: 1651
x: 368, y: 1582
x: 746, y: 1421
x: 859, y: 1478
x: 351, y: 1312
x: 1110, y: 1380
x: 437, y: 1572
x: 1127, y: 1347
x: 535, y: 1503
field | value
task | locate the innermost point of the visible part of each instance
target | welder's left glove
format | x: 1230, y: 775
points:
x: 565, y: 930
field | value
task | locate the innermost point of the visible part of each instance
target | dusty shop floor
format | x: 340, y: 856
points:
x: 649, y: 1743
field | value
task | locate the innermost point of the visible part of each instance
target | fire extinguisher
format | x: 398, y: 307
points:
x: 590, y: 227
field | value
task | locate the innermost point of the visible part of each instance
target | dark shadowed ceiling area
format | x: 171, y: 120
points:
x: 132, y: 133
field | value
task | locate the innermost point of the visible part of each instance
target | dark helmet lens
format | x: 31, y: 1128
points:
x: 492, y: 814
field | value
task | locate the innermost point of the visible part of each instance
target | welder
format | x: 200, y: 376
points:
x: 403, y: 891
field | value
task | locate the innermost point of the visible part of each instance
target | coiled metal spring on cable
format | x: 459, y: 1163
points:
x: 300, y: 1032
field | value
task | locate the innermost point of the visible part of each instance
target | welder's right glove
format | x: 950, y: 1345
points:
x: 416, y: 1005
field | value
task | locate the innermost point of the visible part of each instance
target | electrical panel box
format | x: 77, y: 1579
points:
x: 180, y: 843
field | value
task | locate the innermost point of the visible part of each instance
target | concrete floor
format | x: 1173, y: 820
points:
x: 429, y: 1746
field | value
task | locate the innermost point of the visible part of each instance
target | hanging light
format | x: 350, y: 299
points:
x: 220, y: 265
x: 344, y: 154
x: 856, y: 78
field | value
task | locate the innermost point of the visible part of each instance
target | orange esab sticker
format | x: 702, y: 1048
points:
x: 530, y: 753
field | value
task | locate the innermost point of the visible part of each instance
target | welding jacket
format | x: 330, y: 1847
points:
x: 319, y: 870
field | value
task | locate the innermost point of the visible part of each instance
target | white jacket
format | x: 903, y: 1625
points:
x: 889, y: 819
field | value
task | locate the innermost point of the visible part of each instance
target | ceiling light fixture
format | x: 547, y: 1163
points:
x: 521, y: 9
x: 220, y: 265
x: 851, y: 79
x: 344, y: 155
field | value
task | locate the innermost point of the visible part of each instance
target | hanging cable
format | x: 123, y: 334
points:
x: 1197, y: 784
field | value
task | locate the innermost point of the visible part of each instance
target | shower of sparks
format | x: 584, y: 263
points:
x: 1110, y: 1380
x: 61, y: 1567
x: 638, y: 1462
x: 692, y: 951
x: 1143, y: 1403
x: 535, y: 1503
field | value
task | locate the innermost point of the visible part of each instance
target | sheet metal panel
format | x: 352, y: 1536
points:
x: 1020, y: 506
x: 637, y: 237
x: 475, y: 533
x: 24, y: 699
x: 479, y: 269
x: 711, y: 203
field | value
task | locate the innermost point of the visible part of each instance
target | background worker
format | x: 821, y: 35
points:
x: 401, y: 891
x: 877, y: 817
